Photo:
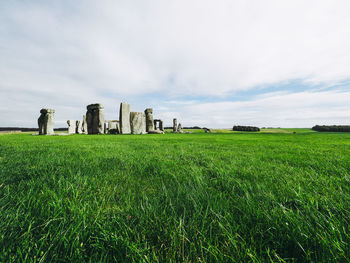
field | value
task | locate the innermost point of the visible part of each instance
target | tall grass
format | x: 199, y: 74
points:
x: 232, y: 197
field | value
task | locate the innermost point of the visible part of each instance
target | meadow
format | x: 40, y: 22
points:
x: 273, y: 196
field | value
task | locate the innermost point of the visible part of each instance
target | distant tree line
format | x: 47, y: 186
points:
x: 331, y: 128
x: 245, y: 128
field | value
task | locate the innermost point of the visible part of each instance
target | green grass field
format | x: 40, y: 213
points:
x: 272, y: 196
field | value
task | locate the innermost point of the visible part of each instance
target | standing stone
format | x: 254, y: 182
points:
x: 158, y: 125
x: 100, y: 120
x: 174, y: 125
x: 179, y: 128
x: 95, y: 119
x: 84, y: 128
x: 46, y: 122
x: 149, y: 120
x: 89, y: 121
x: 79, y: 127
x: 124, y: 118
x: 113, y: 127
x: 118, y: 127
x: 138, y: 122
x: 71, y: 127
x: 105, y: 128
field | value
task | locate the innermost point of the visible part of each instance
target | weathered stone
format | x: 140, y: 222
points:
x: 89, y: 121
x: 71, y: 127
x: 118, y: 127
x: 174, y: 125
x: 149, y: 120
x: 138, y: 122
x: 95, y: 118
x: 84, y: 128
x: 124, y: 118
x: 105, y: 128
x: 158, y: 125
x: 46, y: 121
x: 79, y: 126
x: 179, y: 128
x: 112, y: 125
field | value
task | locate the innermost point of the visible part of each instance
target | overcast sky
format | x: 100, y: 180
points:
x: 281, y: 63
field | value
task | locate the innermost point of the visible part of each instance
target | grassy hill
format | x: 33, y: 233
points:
x: 226, y: 197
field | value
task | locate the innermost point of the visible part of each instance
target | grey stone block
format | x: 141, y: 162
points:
x: 138, y: 122
x: 124, y: 118
x: 71, y: 127
x: 149, y: 120
x: 46, y: 121
x: 95, y: 118
x: 78, y: 127
x: 174, y: 125
x: 158, y: 125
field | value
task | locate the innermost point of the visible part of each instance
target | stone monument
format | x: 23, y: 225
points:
x: 113, y: 127
x: 95, y: 119
x: 105, y: 127
x: 45, y: 121
x: 124, y: 118
x: 84, y: 128
x: 138, y: 122
x: 79, y: 127
x: 174, y: 125
x: 179, y: 127
x: 71, y: 127
x: 158, y: 125
x: 149, y: 120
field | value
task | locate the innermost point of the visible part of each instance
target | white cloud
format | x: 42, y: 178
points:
x: 68, y: 54
x: 300, y: 110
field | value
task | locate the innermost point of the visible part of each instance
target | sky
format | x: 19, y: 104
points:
x: 266, y: 63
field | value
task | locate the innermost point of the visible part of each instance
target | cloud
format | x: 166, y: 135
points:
x: 300, y: 110
x: 65, y: 55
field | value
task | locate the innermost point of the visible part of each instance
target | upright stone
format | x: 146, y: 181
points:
x: 174, y: 125
x: 149, y: 120
x: 95, y: 119
x: 84, y: 125
x: 118, y: 127
x: 46, y: 121
x: 124, y: 118
x: 138, y: 122
x: 89, y: 121
x: 158, y: 124
x: 79, y: 127
x: 71, y: 127
x: 105, y: 127
x: 113, y: 127
x: 179, y: 128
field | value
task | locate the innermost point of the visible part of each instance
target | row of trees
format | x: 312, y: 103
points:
x: 332, y: 128
x: 245, y: 128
